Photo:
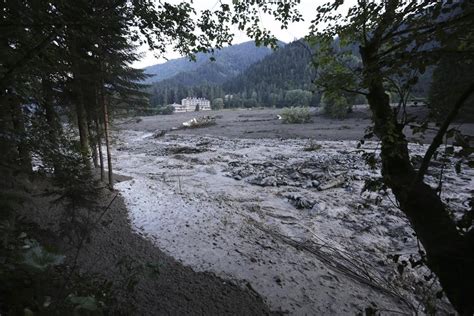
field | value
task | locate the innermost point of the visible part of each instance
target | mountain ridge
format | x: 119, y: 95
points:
x: 229, y: 61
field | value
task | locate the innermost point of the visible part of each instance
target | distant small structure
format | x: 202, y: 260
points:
x: 179, y: 108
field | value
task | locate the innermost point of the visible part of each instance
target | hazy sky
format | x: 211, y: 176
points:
x: 294, y: 31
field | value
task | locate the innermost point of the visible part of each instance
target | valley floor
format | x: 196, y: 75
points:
x: 264, y: 123
x: 286, y: 218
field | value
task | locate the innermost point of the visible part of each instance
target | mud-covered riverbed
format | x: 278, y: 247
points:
x: 286, y: 218
x: 264, y: 123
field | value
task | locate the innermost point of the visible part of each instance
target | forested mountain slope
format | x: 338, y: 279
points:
x: 228, y: 62
x: 263, y: 82
x: 268, y: 81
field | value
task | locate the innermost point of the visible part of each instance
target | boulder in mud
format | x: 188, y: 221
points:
x: 159, y: 133
x: 300, y: 202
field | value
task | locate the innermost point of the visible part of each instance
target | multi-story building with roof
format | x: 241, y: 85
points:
x: 196, y: 104
x: 192, y: 104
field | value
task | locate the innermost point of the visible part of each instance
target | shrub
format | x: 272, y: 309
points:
x: 335, y: 105
x: 165, y: 110
x: 295, y: 115
x: 298, y: 97
x: 217, y: 104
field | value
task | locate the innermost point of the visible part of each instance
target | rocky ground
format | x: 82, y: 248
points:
x: 284, y: 215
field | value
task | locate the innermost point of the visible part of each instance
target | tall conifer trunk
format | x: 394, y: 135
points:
x: 83, y: 130
x: 105, y: 115
x: 81, y: 113
x: 54, y: 126
x: 93, y: 142
x: 99, y: 147
x: 18, y: 123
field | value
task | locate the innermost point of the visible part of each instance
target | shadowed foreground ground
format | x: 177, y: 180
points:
x: 163, y: 285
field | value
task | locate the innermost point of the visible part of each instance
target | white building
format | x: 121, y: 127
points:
x: 179, y: 108
x: 191, y: 105
x: 196, y: 104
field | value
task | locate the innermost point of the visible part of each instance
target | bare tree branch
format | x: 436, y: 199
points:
x: 437, y: 141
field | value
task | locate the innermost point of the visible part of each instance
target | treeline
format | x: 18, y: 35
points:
x: 170, y: 92
x: 64, y: 67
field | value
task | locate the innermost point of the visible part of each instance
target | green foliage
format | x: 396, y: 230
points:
x: 84, y: 303
x: 374, y: 185
x: 34, y: 278
x: 450, y: 79
x: 298, y: 97
x: 288, y: 68
x: 165, y: 110
x: 39, y: 258
x: 218, y: 104
x: 167, y: 92
x: 337, y: 66
x: 228, y: 62
x: 296, y: 115
x: 282, y: 78
x: 335, y: 105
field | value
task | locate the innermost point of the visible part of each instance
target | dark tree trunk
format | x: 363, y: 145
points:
x: 99, y: 147
x: 8, y: 148
x: 83, y: 130
x: 54, y: 126
x: 450, y: 255
x: 93, y: 143
x: 105, y: 117
x: 18, y: 123
x: 80, y: 100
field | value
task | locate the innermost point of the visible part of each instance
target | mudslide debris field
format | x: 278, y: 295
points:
x: 285, y: 218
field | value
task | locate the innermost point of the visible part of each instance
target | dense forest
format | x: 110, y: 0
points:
x: 217, y: 65
x: 283, y: 78
x: 202, y: 77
